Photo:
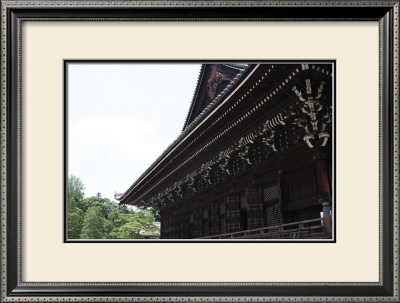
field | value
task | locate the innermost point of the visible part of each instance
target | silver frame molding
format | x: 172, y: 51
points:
x: 13, y: 13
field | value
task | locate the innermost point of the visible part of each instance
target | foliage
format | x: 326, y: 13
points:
x: 75, y: 222
x: 76, y: 191
x: 100, y: 218
x: 137, y: 226
x: 106, y: 206
x: 94, y: 225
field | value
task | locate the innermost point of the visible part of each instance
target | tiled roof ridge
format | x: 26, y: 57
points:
x: 194, y: 95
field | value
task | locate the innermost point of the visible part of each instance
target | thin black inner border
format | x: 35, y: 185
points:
x: 208, y: 61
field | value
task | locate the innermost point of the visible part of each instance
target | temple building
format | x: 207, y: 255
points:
x: 254, y: 158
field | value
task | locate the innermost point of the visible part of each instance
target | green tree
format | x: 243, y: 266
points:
x: 76, y: 191
x: 124, y: 209
x: 75, y: 215
x: 94, y: 225
x: 75, y: 222
x: 118, y: 217
x: 136, y: 226
x: 105, y: 204
x: 108, y: 228
x: 100, y: 218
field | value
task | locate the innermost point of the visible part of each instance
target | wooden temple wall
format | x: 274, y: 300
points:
x: 290, y: 197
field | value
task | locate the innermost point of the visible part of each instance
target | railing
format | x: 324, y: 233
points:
x: 292, y: 230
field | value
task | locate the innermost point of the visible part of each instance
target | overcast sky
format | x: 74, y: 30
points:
x: 121, y: 117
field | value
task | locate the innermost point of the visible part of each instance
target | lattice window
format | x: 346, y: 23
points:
x: 273, y: 215
x: 271, y: 192
x: 272, y: 207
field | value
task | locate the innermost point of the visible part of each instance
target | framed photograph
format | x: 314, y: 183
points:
x: 258, y: 169
x: 199, y: 151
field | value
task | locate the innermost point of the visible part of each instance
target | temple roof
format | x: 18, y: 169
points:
x: 257, y: 100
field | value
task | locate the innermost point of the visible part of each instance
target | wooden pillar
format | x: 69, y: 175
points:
x: 327, y: 219
x: 321, y: 174
x: 198, y: 226
x: 214, y: 227
x: 255, y: 211
x: 184, y: 225
x: 232, y: 212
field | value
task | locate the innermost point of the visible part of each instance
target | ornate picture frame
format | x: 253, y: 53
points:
x: 13, y: 285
